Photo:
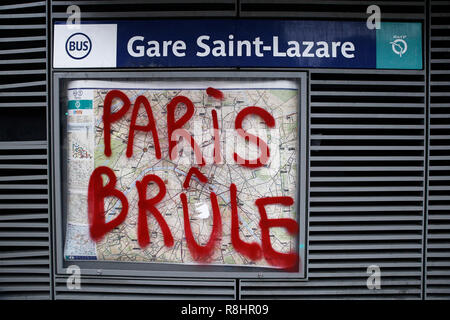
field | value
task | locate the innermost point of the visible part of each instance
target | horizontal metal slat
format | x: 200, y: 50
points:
x: 24, y: 177
x: 363, y: 189
x: 24, y: 279
x: 146, y: 290
x: 24, y: 243
x: 23, y: 225
x: 372, y: 83
x: 19, y: 51
x: 312, y: 291
x: 23, y: 84
x: 341, y: 283
x: 25, y: 270
x: 21, y: 234
x: 24, y: 206
x: 362, y: 178
x: 350, y: 247
x: 23, y: 288
x: 23, y: 15
x: 22, y: 39
x: 362, y: 273
x: 23, y: 5
x: 367, y: 94
x: 365, y: 137
x: 356, y: 218
x: 23, y: 61
x: 24, y: 262
x: 366, y: 115
x: 385, y: 227
x: 361, y: 168
x: 314, y: 148
x: 23, y: 254
x: 24, y: 186
x: 366, y: 158
x: 365, y: 126
x: 366, y: 105
x: 24, y: 216
x: 362, y: 256
x: 22, y: 104
x: 335, y: 237
x: 23, y: 166
x: 364, y: 208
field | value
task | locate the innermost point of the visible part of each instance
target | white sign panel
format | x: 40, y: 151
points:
x: 85, y: 46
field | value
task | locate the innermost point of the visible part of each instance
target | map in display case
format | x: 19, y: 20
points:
x: 226, y: 181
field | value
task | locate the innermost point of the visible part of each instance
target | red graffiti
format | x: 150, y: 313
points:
x: 215, y: 93
x: 175, y: 128
x: 97, y: 192
x: 150, y: 206
x: 200, y: 176
x: 109, y: 117
x: 202, y: 253
x: 151, y: 126
x: 217, y: 155
x: 199, y: 252
x: 264, y: 148
x: 250, y: 250
x: 274, y: 258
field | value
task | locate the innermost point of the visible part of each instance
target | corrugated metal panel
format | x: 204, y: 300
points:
x: 366, y: 179
x: 367, y: 131
x: 337, y: 9
x: 24, y: 220
x: 24, y: 223
x: 367, y: 142
x: 438, y: 231
x: 113, y: 9
x: 102, y: 288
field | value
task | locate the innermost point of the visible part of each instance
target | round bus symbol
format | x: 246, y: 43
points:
x: 78, y: 46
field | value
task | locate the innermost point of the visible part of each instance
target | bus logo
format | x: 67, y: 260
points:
x: 78, y: 46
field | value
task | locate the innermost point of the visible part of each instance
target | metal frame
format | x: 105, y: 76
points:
x: 405, y: 277
x: 108, y: 268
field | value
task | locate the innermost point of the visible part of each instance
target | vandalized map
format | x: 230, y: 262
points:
x: 85, y: 151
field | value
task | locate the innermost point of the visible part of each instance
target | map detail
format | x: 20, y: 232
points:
x: 278, y: 177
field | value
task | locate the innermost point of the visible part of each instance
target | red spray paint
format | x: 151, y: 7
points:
x: 149, y: 205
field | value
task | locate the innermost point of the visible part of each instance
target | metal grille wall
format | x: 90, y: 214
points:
x: 438, y: 229
x: 116, y: 9
x: 366, y: 176
x: 139, y: 288
x: 24, y: 218
x: 366, y: 187
x: 323, y: 9
x: 368, y: 162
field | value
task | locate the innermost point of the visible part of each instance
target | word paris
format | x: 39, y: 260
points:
x: 138, y: 47
x: 100, y: 189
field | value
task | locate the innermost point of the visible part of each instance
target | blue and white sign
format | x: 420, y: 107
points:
x: 85, y: 46
x: 238, y: 43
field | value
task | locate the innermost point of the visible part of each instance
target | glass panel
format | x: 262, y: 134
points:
x: 241, y: 135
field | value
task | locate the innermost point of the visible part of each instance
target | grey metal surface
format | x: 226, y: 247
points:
x: 113, y: 9
x: 25, y: 261
x: 438, y: 225
x: 366, y: 188
x: 370, y: 199
x: 110, y: 268
x: 105, y: 288
x: 340, y: 9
